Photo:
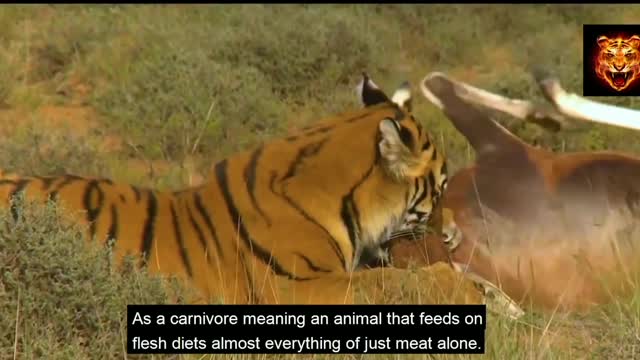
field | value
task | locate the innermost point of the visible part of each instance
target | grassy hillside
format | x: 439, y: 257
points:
x: 154, y: 95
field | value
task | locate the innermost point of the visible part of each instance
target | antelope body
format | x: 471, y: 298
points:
x: 554, y: 229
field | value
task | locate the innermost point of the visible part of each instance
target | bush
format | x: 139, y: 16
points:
x: 61, y: 297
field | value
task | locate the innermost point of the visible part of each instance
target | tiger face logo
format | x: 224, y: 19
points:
x: 618, y: 61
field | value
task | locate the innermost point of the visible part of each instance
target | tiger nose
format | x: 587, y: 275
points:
x: 618, y: 67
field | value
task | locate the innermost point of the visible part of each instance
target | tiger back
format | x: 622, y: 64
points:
x: 289, y: 214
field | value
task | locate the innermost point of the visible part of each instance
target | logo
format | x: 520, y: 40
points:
x: 611, y: 60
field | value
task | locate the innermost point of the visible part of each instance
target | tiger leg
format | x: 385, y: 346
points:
x: 436, y: 284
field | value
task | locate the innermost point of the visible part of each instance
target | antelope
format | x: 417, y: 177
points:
x: 555, y: 230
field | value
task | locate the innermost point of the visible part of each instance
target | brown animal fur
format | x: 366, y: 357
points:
x: 546, y: 227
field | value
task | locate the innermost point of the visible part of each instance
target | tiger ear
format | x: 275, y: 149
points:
x: 402, y: 97
x: 603, y: 41
x: 635, y: 41
x: 397, y: 157
x: 369, y: 93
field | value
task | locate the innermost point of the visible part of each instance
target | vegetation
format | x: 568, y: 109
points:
x: 154, y: 95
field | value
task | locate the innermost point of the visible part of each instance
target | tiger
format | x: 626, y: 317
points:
x: 441, y: 230
x: 287, y: 221
x: 618, y: 61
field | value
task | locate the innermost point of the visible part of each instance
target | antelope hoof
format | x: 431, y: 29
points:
x: 452, y: 239
x: 496, y: 300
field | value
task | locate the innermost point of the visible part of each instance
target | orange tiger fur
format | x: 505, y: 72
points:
x: 285, y: 222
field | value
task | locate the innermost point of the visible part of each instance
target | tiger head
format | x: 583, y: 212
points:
x: 618, y: 61
x: 418, y: 160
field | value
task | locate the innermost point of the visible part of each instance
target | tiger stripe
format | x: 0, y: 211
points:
x: 277, y: 223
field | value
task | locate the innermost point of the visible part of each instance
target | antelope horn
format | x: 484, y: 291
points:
x: 521, y: 109
x: 578, y: 107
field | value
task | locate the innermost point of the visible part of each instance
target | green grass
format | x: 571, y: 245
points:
x: 209, y: 80
x: 60, y: 297
x: 65, y: 299
x: 193, y: 83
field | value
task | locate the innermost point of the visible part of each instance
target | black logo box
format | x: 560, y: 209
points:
x: 592, y: 85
